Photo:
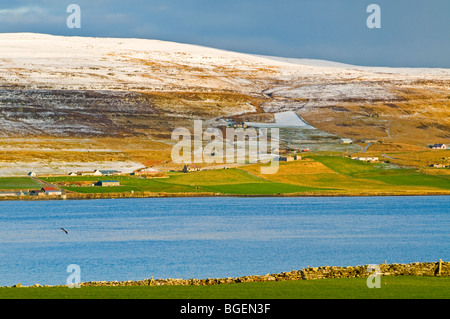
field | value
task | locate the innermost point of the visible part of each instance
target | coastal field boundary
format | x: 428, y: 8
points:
x: 430, y: 269
x: 311, y: 273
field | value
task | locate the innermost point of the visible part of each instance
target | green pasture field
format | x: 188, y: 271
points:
x: 224, y: 181
x: 398, y: 287
x: 19, y: 183
x: 383, y: 173
x: 347, y: 177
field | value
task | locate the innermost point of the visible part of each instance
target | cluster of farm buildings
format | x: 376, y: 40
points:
x: 141, y: 172
x: 44, y: 191
x: 52, y: 191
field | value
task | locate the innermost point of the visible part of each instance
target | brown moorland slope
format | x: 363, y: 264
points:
x: 120, y: 99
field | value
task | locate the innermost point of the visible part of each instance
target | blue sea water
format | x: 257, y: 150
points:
x: 135, y: 239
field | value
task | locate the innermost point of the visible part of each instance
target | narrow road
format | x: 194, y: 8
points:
x: 365, y: 148
x: 44, y: 183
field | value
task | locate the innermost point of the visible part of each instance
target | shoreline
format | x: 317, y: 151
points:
x: 430, y: 269
x: 81, y: 196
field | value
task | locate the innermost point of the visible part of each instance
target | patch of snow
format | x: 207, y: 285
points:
x: 287, y: 119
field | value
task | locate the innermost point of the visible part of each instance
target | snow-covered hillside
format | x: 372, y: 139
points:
x: 110, y: 89
x: 58, y: 62
x: 70, y: 86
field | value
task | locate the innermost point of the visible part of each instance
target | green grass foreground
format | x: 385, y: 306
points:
x: 398, y: 287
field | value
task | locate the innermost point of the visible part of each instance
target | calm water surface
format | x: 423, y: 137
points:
x: 134, y: 239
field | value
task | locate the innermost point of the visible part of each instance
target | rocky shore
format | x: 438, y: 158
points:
x: 432, y: 269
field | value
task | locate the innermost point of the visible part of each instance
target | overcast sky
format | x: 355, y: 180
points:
x: 413, y: 33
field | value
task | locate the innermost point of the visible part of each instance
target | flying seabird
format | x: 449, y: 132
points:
x: 64, y: 230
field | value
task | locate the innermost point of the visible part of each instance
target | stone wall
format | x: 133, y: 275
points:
x: 414, y: 269
x: 310, y: 273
